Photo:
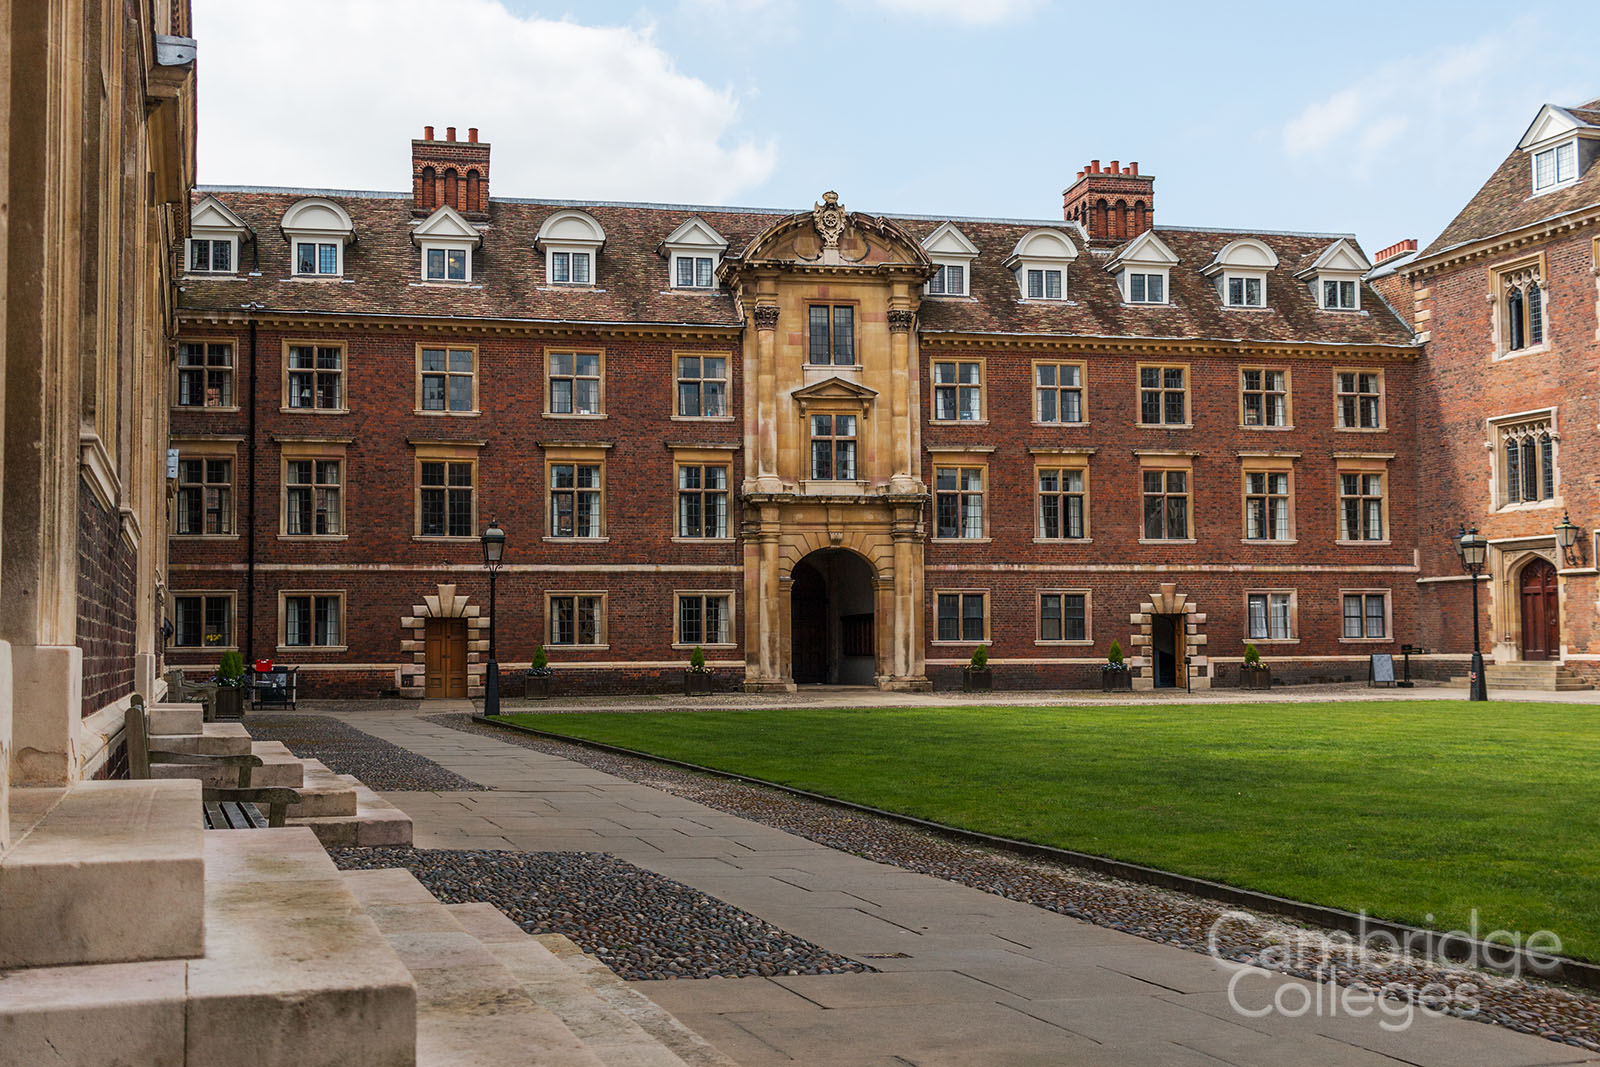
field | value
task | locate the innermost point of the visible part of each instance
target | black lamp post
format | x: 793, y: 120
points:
x: 494, y: 546
x: 1474, y: 549
x: 1566, y: 537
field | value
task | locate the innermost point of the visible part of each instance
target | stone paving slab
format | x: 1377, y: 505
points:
x: 984, y: 980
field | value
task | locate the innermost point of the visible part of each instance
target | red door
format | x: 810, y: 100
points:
x: 1541, y: 624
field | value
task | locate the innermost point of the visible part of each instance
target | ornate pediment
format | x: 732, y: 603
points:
x: 828, y: 236
x: 834, y: 390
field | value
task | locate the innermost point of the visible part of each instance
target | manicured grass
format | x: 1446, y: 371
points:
x: 1417, y: 810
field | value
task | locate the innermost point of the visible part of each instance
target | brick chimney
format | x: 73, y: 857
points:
x: 1399, y: 248
x: 450, y: 171
x: 1114, y: 203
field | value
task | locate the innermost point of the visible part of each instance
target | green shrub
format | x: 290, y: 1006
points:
x: 697, y: 661
x: 539, y: 666
x: 230, y: 672
x: 980, y: 658
x: 1114, y: 657
x: 1252, y: 657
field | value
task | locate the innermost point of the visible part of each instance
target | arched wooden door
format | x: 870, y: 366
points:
x: 1541, y: 619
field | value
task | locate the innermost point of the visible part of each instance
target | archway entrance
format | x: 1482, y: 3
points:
x: 1541, y: 616
x: 831, y: 625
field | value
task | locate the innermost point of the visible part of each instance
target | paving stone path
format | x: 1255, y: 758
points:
x: 964, y: 977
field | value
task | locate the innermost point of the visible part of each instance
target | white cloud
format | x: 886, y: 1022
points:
x: 964, y: 12
x: 324, y: 94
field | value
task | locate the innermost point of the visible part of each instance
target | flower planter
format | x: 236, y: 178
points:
x: 1259, y: 678
x: 1116, y: 681
x: 696, y: 683
x: 537, y: 687
x: 230, y: 703
x: 975, y: 681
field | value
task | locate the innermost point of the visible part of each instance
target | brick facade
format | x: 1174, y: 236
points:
x: 107, y: 589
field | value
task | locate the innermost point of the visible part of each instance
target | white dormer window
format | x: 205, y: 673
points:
x: 570, y: 240
x: 1143, y: 267
x: 1041, y: 260
x: 952, y: 255
x: 1240, y: 272
x: 694, y: 251
x: 949, y: 279
x: 446, y: 240
x: 1335, y: 276
x: 1555, y: 166
x: 215, y: 234
x: 318, y: 230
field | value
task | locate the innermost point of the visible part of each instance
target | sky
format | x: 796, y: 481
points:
x: 1375, y: 119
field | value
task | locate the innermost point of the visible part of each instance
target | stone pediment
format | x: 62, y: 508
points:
x: 830, y: 236
x: 834, y: 390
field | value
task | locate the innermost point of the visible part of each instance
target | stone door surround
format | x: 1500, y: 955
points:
x: 1168, y: 601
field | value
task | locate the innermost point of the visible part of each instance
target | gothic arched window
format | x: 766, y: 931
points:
x: 1516, y: 324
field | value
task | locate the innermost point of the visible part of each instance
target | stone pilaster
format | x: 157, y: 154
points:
x: 766, y: 428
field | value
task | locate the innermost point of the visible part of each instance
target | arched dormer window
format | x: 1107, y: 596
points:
x: 1040, y: 262
x: 1522, y: 304
x: 570, y: 240
x: 318, y: 231
x: 1240, y: 272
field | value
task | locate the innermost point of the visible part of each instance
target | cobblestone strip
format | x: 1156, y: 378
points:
x: 1526, y: 1005
x: 346, y: 750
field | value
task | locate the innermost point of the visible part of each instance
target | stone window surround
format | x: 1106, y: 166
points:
x: 1360, y: 463
x: 283, y: 630
x: 1288, y: 397
x: 1267, y: 463
x: 1294, y: 616
x: 963, y: 592
x: 447, y: 347
x: 604, y: 633
x: 587, y: 455
x: 733, y: 628
x: 1088, y: 617
x: 312, y: 448
x: 231, y: 595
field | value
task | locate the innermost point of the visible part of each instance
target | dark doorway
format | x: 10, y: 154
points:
x: 831, y: 625
x: 1541, y: 613
x: 1164, y: 631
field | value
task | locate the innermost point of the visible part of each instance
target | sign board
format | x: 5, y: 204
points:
x: 1380, y: 670
x: 172, y: 464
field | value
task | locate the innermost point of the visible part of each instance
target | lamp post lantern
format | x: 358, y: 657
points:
x: 1474, y: 549
x: 1566, y: 537
x: 494, y: 546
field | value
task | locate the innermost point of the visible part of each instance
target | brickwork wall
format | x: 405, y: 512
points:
x: 107, y: 588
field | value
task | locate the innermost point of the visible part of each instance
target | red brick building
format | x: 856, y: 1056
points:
x: 823, y: 445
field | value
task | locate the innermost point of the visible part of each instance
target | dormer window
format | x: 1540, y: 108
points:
x: 318, y: 230
x: 215, y: 234
x: 952, y: 255
x: 1339, y: 294
x: 1335, y: 276
x: 1142, y: 268
x: 1240, y: 272
x: 1041, y: 260
x: 447, y: 240
x: 1555, y: 166
x: 694, y: 251
x: 444, y: 264
x: 570, y: 240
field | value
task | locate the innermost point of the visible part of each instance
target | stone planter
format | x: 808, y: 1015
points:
x: 1257, y: 678
x: 230, y: 703
x: 976, y: 681
x: 537, y: 687
x: 696, y: 683
x: 1116, y: 681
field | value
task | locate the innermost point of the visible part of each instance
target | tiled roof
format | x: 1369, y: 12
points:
x: 1506, y: 201
x: 382, y: 271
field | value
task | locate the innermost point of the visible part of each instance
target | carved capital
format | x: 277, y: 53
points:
x: 900, y: 319
x: 766, y: 316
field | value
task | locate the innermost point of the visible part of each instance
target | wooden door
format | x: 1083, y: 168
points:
x: 446, y: 661
x: 1541, y: 617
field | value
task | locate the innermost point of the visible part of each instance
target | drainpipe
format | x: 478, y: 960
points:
x: 250, y: 503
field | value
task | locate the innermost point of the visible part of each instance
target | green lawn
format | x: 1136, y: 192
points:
x: 1406, y: 809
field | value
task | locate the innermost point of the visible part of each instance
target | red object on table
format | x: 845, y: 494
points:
x: 263, y: 665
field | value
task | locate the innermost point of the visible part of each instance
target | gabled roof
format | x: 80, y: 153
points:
x: 212, y: 214
x: 1242, y: 253
x: 948, y: 240
x: 1506, y: 202
x: 1551, y: 124
x: 695, y: 232
x: 1341, y: 257
x: 446, y: 224
x: 1145, y: 250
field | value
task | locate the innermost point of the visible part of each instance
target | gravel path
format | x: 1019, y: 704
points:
x: 1529, y: 1006
x: 639, y: 923
x: 346, y: 750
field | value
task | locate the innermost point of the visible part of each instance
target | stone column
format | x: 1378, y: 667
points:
x: 901, y: 400
x: 910, y: 669
x: 766, y: 429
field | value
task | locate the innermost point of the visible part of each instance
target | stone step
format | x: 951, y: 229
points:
x: 214, y: 739
x: 1544, y: 677
x: 471, y: 1011
x: 279, y: 767
x: 295, y: 974
x: 375, y: 822
x: 492, y: 927
x: 324, y: 793
x: 106, y: 871
x: 176, y: 718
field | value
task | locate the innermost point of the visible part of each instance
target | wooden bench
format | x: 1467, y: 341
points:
x: 228, y: 815
x: 183, y: 691
x: 140, y: 756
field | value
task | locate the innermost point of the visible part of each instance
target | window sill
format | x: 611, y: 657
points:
x: 1163, y: 425
x: 205, y: 409
x: 1246, y: 307
x: 593, y: 416
x: 191, y: 649
x: 958, y: 422
x: 1063, y: 540
x: 1060, y: 425
x: 1146, y: 304
x: 1362, y: 429
x: 689, y: 540
x: 313, y: 538
x: 316, y: 277
x: 956, y: 644
x: 445, y: 539
x: 1064, y: 644
x: 1166, y: 540
x: 692, y: 290
x: 1276, y: 429
x: 1542, y: 505
x: 701, y: 418
x: 314, y: 411
x: 447, y: 414
x: 1364, y: 544
x: 203, y: 537
x: 1269, y: 541
x: 550, y: 539
x: 1366, y: 640
x: 580, y: 648
x: 1272, y: 640
x: 303, y: 649
x: 960, y: 540
x: 725, y: 646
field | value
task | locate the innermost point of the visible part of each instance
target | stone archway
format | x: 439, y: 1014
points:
x: 1189, y: 643
x: 1507, y: 569
x: 446, y: 603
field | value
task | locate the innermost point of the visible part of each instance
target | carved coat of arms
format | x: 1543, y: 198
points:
x: 828, y: 217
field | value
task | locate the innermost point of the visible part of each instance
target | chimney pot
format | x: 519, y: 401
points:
x: 427, y: 133
x: 1094, y: 166
x: 449, y: 133
x: 1116, y: 167
x: 472, y: 134
x: 1133, y: 168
